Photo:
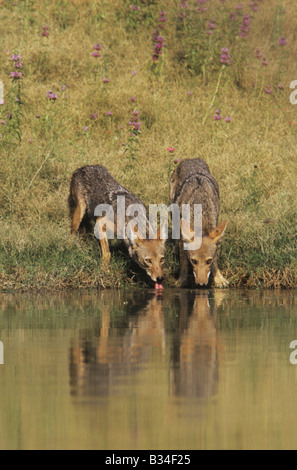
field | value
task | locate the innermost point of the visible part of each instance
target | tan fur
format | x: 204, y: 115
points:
x: 192, y: 183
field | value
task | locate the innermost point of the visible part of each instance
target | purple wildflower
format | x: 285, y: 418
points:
x: 51, y: 95
x: 158, y: 48
x: 17, y: 60
x: 16, y: 75
x: 162, y: 19
x: 282, y: 41
x: 258, y: 53
x: 45, y: 30
x: 109, y: 113
x: 228, y: 119
x: 106, y: 80
x: 217, y: 116
x: 225, y: 57
x: 134, y: 123
x: 97, y: 48
x: 94, y: 116
x: 245, y: 26
x: 268, y: 90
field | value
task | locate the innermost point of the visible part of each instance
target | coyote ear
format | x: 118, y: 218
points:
x: 187, y: 232
x: 217, y: 233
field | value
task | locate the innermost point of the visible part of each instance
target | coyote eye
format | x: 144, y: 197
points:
x: 162, y: 259
x: 194, y: 262
x: 209, y: 261
x: 148, y: 261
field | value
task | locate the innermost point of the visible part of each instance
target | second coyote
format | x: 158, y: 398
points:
x: 91, y: 186
x: 192, y: 183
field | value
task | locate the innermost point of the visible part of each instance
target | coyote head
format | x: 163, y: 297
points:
x: 202, y: 258
x: 149, y: 253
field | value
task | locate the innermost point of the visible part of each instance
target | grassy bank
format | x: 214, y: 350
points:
x: 70, y: 108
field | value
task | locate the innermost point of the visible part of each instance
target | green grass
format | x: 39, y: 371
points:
x: 253, y: 157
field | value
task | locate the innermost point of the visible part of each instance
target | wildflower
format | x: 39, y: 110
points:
x: 134, y: 8
x: 228, y: 119
x: 109, y: 113
x: 30, y: 141
x: 44, y: 30
x: 85, y: 128
x: 158, y: 46
x: 51, y: 95
x: 176, y: 160
x: 245, y: 26
x: 3, y: 123
x: 170, y: 149
x: 106, y: 80
x: 17, y: 60
x: 97, y: 48
x: 217, y: 116
x: 264, y: 61
x: 162, y: 19
x: 282, y: 41
x: 132, y: 98
x: 135, y: 123
x: 267, y: 89
x: 201, y: 9
x: 183, y: 4
x: 16, y: 75
x: 94, y: 116
x: 225, y: 56
x: 133, y: 72
x: 38, y: 116
x: 258, y: 53
x: 211, y: 25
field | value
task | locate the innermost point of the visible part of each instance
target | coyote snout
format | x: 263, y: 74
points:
x: 149, y: 254
x: 202, y: 260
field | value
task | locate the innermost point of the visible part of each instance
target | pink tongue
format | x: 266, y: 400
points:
x: 158, y: 286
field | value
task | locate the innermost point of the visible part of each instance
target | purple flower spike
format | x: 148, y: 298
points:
x: 225, y: 56
x: 282, y: 41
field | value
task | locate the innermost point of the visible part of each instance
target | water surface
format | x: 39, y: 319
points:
x: 137, y: 369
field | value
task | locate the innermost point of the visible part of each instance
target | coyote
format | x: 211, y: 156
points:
x: 191, y: 183
x: 93, y: 185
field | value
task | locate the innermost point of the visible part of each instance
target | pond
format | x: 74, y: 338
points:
x: 139, y: 369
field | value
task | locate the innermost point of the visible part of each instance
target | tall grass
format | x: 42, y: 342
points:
x: 75, y: 109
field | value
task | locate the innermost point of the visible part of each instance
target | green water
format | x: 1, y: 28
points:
x: 138, y: 370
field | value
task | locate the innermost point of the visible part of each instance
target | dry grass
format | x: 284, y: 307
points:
x: 253, y: 157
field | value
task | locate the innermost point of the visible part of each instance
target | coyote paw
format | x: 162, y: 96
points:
x: 219, y: 281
